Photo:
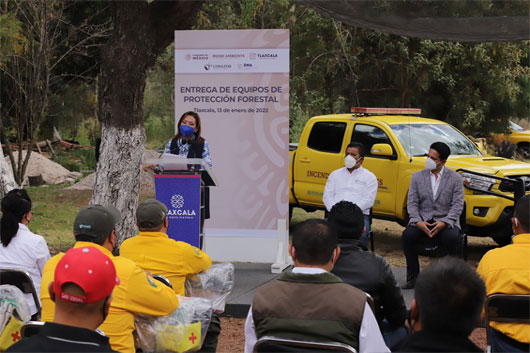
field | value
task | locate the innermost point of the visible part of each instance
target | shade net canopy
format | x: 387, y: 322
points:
x: 445, y: 20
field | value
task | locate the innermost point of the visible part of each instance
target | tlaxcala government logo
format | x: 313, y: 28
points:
x: 177, y: 202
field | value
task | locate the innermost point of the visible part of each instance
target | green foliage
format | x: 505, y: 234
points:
x: 158, y: 131
x: 81, y: 160
x: 72, y: 112
x: 334, y: 67
x: 159, y: 100
x: 12, y: 38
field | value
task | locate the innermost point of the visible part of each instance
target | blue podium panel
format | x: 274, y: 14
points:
x: 182, y: 196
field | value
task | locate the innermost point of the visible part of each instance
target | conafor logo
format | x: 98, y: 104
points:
x: 207, y: 67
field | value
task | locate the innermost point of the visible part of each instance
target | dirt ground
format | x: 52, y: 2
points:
x: 387, y: 241
x: 232, y: 338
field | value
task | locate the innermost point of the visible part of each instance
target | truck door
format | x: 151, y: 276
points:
x: 315, y: 160
x: 385, y: 168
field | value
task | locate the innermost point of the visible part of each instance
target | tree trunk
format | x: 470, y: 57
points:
x: 7, y: 182
x: 118, y: 173
x: 142, y: 30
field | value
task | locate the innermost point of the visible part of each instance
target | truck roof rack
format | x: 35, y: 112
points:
x: 386, y: 111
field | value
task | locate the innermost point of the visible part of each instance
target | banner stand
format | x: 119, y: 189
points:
x: 283, y: 259
x: 238, y: 82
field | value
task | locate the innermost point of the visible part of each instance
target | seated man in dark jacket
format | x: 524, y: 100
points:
x: 367, y: 271
x: 447, y: 304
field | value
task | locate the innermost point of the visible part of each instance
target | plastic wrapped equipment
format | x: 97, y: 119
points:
x: 215, y: 284
x: 14, y: 313
x: 181, y: 331
x: 12, y: 301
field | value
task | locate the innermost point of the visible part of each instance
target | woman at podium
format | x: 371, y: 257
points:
x: 188, y: 141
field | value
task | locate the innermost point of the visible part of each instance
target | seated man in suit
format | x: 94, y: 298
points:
x: 368, y: 271
x: 447, y: 302
x: 309, y: 303
x: 507, y: 270
x: 435, y: 202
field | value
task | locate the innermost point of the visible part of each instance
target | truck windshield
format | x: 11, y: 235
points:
x: 417, y: 138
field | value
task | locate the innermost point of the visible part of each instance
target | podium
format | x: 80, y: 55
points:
x: 182, y: 184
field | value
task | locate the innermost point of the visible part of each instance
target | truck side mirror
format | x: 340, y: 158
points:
x: 381, y: 149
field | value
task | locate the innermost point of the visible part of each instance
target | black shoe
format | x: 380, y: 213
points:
x: 411, y: 282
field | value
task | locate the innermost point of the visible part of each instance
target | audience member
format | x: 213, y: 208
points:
x: 155, y: 252
x: 82, y: 292
x: 447, y: 303
x: 137, y: 293
x: 507, y: 270
x: 353, y: 183
x: 21, y: 249
x: 367, y: 271
x: 435, y: 203
x: 311, y: 303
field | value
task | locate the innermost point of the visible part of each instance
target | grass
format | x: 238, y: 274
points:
x: 54, y: 211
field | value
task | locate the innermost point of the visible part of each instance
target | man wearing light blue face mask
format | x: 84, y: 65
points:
x: 435, y: 203
x: 352, y: 183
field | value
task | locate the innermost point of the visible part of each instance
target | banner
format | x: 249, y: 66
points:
x: 238, y: 82
x: 182, y: 196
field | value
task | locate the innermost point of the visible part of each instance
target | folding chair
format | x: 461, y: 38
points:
x: 164, y: 280
x: 31, y: 328
x: 21, y: 280
x: 275, y: 344
x: 431, y: 246
x: 513, y: 308
x: 370, y: 301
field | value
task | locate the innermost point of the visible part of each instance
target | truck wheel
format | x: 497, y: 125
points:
x: 524, y: 150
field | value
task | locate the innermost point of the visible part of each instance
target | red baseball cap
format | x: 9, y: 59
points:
x: 88, y: 268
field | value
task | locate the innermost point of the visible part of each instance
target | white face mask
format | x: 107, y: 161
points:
x: 430, y: 164
x: 350, y: 162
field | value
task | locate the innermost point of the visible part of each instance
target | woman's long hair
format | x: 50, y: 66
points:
x: 15, y: 205
x: 198, y: 138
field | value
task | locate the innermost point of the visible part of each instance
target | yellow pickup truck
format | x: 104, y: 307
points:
x: 397, y: 141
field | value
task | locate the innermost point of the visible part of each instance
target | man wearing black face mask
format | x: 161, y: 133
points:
x: 352, y: 183
x: 435, y: 202
x: 82, y: 292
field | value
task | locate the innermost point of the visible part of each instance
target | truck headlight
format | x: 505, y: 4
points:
x: 478, y: 182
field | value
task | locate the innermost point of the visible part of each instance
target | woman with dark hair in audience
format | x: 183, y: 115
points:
x: 20, y: 249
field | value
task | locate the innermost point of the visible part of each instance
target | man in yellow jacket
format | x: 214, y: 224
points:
x: 137, y: 292
x: 155, y: 252
x: 507, y: 270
